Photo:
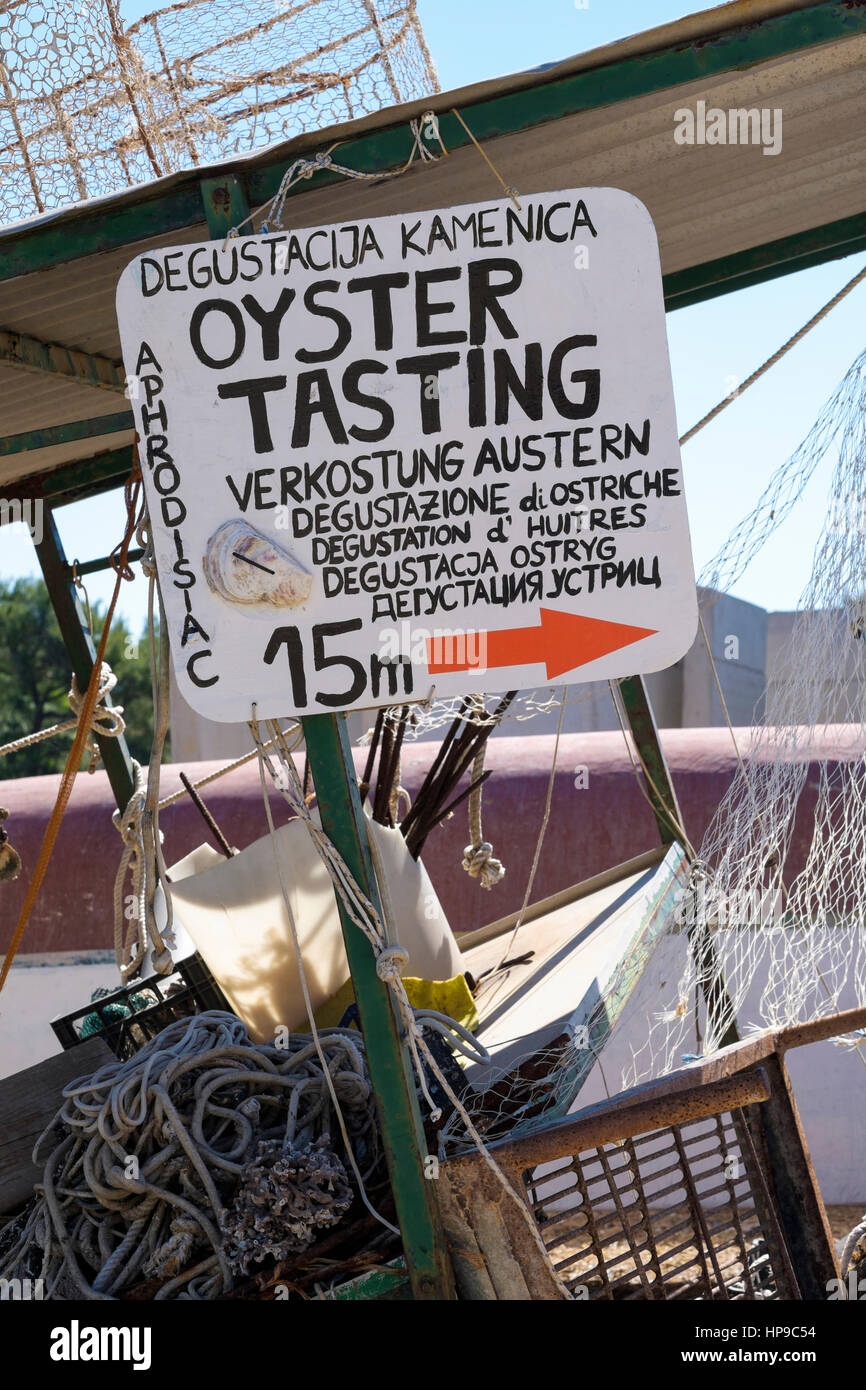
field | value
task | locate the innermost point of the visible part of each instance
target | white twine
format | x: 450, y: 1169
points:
x: 305, y: 169
x: 138, y: 823
x: 479, y: 860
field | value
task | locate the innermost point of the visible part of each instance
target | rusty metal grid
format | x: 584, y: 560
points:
x: 680, y: 1212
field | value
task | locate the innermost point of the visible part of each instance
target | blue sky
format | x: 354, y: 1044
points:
x: 711, y: 344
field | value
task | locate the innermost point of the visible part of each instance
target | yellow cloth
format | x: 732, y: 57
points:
x: 451, y: 997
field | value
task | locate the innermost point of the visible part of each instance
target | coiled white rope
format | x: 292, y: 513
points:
x: 149, y: 1153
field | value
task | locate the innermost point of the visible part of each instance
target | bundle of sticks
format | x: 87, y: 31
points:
x: 458, y: 751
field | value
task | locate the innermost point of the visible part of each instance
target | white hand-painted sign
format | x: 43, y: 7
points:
x: 434, y: 449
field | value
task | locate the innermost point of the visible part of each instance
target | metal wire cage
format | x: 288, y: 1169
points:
x: 88, y: 105
x: 697, y: 1186
x: 677, y: 1213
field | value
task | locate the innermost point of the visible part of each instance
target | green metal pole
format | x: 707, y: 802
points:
x: 663, y: 798
x: 343, y: 820
x: 79, y: 646
x: 639, y: 713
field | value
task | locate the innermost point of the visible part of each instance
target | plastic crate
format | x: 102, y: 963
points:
x: 129, y: 1017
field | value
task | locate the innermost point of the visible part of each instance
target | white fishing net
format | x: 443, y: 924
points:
x: 429, y: 716
x: 775, y: 908
x: 518, y: 1096
x: 89, y: 105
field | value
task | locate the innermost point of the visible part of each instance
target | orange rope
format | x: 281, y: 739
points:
x: 120, y: 562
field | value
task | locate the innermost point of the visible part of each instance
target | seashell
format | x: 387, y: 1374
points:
x: 243, y: 566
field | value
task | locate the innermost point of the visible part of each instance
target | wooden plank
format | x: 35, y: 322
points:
x: 470, y: 1266
x: 587, y: 960
x: 584, y: 889
x: 494, y: 1254
x: 28, y: 1102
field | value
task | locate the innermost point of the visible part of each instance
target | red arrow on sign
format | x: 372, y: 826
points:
x: 562, y: 642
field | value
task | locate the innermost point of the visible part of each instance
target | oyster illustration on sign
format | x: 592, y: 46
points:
x: 243, y: 566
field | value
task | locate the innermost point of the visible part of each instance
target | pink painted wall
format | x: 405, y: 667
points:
x: 590, y: 830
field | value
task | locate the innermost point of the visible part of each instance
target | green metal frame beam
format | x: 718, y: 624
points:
x: 669, y: 819
x: 768, y: 262
x: 174, y: 204
x: 53, y: 435
x: 74, y: 481
x: 53, y: 359
x: 104, y: 563
x: 225, y: 203
x: 57, y: 574
x: 343, y: 820
x: 660, y: 788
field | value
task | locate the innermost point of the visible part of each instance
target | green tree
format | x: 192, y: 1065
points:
x: 35, y: 676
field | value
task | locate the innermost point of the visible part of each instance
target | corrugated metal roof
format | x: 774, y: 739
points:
x: 707, y: 202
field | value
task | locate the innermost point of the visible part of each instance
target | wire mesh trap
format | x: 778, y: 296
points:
x: 88, y: 105
x: 792, y: 920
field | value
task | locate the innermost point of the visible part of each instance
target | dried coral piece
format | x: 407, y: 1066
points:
x: 285, y: 1195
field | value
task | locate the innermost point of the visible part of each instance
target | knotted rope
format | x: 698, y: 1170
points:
x: 478, y: 858
x: 130, y: 927
x: 136, y: 932
x: 105, y: 721
x: 120, y: 562
x: 305, y: 169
